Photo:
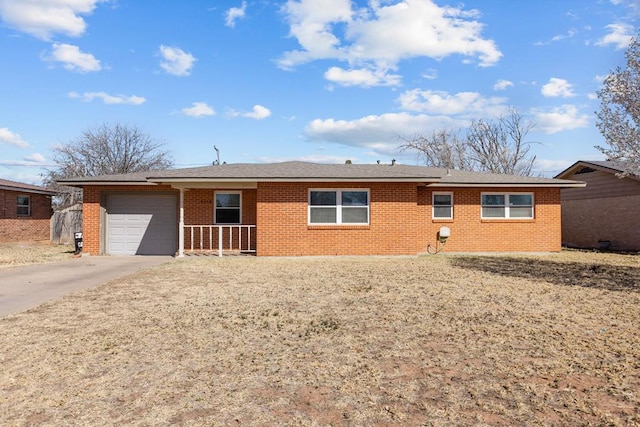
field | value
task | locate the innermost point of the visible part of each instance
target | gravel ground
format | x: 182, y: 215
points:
x: 434, y: 341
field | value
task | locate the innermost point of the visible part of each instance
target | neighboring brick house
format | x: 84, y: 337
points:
x: 297, y: 208
x: 606, y: 213
x: 25, y: 212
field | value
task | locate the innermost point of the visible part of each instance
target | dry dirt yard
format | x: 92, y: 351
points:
x: 433, y: 341
x: 17, y: 254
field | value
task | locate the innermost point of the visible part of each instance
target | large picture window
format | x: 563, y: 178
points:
x: 339, y: 207
x: 505, y: 205
x: 24, y: 206
x: 227, y: 209
x: 443, y: 205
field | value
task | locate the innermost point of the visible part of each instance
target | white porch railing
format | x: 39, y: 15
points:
x: 220, y: 238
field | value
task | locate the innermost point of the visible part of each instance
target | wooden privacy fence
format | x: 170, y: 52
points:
x: 65, y: 223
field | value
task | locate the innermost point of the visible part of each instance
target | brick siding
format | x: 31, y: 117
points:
x: 400, y: 220
x: 36, y: 226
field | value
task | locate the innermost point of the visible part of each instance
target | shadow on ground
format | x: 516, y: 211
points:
x: 600, y: 276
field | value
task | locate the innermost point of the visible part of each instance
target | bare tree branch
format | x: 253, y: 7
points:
x: 619, y: 116
x: 496, y: 146
x: 103, y: 150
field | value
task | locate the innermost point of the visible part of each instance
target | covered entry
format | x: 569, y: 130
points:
x: 141, y: 224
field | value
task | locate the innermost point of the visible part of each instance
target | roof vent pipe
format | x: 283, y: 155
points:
x: 393, y: 162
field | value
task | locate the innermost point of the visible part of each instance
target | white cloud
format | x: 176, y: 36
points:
x: 380, y: 36
x: 430, y: 74
x: 361, y: 77
x: 44, y: 18
x: 176, y: 61
x: 619, y: 36
x: 108, y: 99
x: 11, y: 138
x: 557, y: 87
x: 559, y: 119
x: 234, y: 14
x: 440, y: 102
x: 258, y: 113
x: 35, y: 159
x: 73, y: 59
x: 198, y: 109
x: 313, y: 158
x: 551, y: 167
x: 502, y: 84
x: 378, y: 132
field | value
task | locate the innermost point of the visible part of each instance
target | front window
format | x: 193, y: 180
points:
x: 339, y: 207
x: 443, y: 205
x: 24, y: 206
x: 503, y: 205
x: 227, y: 208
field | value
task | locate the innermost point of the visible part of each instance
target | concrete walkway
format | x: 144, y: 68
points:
x: 26, y: 287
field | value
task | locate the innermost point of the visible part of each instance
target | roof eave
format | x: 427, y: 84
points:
x: 28, y: 190
x: 511, y: 185
x: 84, y: 183
x: 312, y: 179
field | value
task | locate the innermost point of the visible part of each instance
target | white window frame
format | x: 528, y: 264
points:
x: 215, y: 207
x: 433, y: 205
x: 507, y: 205
x: 18, y: 205
x: 338, y: 206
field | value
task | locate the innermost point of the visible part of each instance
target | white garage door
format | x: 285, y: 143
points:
x: 141, y: 224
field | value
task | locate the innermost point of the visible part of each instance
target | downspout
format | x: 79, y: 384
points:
x: 181, y: 225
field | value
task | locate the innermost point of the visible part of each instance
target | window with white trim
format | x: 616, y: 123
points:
x: 442, y: 205
x: 24, y: 206
x: 507, y: 205
x: 227, y: 207
x: 339, y: 206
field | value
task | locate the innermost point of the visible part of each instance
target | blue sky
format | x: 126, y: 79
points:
x: 312, y: 80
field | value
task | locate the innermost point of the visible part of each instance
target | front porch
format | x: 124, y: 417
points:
x: 218, y: 240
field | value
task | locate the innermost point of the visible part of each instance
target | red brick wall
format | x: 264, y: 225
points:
x: 198, y: 210
x: 400, y: 220
x: 36, y: 226
x: 282, y: 226
x: 470, y: 233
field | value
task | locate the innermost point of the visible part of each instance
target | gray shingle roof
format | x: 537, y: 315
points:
x: 6, y: 184
x: 303, y: 171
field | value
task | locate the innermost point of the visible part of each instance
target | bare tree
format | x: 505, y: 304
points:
x: 496, y: 146
x: 443, y: 149
x: 619, y: 116
x: 105, y: 149
x: 499, y: 145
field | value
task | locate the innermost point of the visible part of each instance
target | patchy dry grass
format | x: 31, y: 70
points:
x: 15, y: 254
x: 335, y: 341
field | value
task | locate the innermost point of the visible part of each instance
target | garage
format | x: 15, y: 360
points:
x: 141, y: 224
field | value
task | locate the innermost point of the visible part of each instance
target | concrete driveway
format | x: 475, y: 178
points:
x: 25, y: 287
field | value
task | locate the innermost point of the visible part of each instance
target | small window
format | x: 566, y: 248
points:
x: 227, y: 208
x: 516, y: 206
x: 24, y: 206
x: 443, y: 205
x: 338, y: 207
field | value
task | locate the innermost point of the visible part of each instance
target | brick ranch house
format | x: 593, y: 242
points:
x: 298, y: 208
x: 25, y: 212
x: 604, y: 214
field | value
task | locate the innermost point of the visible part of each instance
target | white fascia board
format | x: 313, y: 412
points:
x: 507, y: 185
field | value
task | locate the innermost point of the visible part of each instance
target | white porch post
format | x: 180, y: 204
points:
x: 181, y: 225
